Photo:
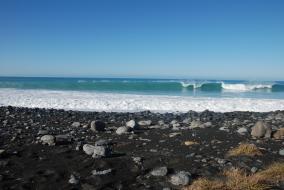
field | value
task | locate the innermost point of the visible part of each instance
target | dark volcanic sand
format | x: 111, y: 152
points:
x: 28, y: 164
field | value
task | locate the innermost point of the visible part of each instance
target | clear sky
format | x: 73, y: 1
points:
x: 222, y: 39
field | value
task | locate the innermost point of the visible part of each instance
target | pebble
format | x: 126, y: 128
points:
x: 174, y: 134
x: 98, y: 126
x: 42, y: 132
x: 242, y: 130
x: 73, y: 180
x: 88, y: 149
x: 180, y: 178
x: 253, y: 169
x: 161, y: 171
x: 102, y: 172
x: 132, y: 124
x: 281, y: 152
x: 48, y: 139
x: 145, y: 123
x: 122, y: 130
x: 76, y: 124
x: 100, y: 151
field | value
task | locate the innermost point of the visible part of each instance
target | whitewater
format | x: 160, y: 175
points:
x: 117, y: 102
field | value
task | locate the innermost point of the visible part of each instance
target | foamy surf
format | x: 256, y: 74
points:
x: 111, y: 102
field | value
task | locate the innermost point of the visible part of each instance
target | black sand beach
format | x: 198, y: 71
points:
x: 57, y: 149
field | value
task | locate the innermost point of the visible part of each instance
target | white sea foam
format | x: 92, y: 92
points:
x: 74, y: 100
x: 245, y: 87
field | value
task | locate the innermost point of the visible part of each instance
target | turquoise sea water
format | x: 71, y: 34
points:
x: 176, y: 87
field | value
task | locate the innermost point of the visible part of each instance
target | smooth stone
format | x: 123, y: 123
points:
x: 98, y: 126
x: 102, y: 142
x: 145, y: 123
x: 42, y: 132
x: 73, y: 180
x: 242, y: 130
x: 88, y: 149
x: 122, y: 130
x: 181, y: 178
x: 62, y: 139
x: 132, y: 124
x: 76, y: 124
x: 224, y: 129
x: 161, y: 171
x: 260, y: 129
x: 279, y: 134
x: 174, y: 134
x: 195, y: 124
x: 281, y: 152
x: 253, y: 169
x: 100, y: 151
x: 102, y: 172
x: 48, y: 139
x: 2, y: 151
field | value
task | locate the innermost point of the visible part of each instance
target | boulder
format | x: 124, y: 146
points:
x: 260, y: 129
x: 98, y: 126
x: 279, y: 134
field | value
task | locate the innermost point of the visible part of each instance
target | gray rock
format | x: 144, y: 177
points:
x: 260, y: 129
x: 102, y: 142
x: 42, y: 132
x: 122, y: 130
x: 174, y: 134
x: 145, y: 123
x: 132, y: 124
x: 281, y: 152
x: 88, y: 149
x: 279, y: 134
x: 161, y: 171
x: 76, y: 124
x: 2, y: 151
x: 224, y: 129
x: 48, y: 139
x: 242, y: 130
x: 253, y: 169
x: 102, y: 172
x: 98, y: 126
x: 195, y: 124
x: 137, y: 160
x: 63, y: 139
x: 100, y: 151
x: 73, y: 180
x: 181, y: 178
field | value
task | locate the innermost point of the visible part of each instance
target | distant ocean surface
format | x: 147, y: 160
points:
x: 161, y: 95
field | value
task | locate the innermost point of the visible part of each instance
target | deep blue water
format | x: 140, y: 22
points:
x: 177, y: 87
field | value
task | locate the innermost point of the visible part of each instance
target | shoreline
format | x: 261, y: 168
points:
x: 51, y: 149
x: 93, y: 101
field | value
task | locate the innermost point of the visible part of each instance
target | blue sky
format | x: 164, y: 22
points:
x: 222, y: 39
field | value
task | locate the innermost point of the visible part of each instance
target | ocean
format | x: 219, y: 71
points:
x: 129, y: 94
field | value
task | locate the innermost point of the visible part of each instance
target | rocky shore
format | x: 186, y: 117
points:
x: 57, y: 149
